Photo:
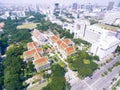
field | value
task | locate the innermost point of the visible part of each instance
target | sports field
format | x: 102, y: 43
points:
x: 27, y: 26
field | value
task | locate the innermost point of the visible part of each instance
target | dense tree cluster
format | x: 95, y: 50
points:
x: 1, y: 75
x: 80, y: 41
x: 83, y: 63
x: 13, y: 73
x: 117, y: 50
x: 21, y: 35
x: 37, y: 17
x: 16, y: 71
x: 57, y: 80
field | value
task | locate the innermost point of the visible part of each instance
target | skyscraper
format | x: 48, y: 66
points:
x: 110, y: 5
x: 119, y: 4
x: 56, y: 9
x: 89, y: 7
x: 74, y: 6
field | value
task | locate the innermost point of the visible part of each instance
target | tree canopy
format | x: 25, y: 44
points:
x: 79, y: 62
x: 57, y: 81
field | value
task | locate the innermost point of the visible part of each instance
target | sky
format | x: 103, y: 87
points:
x: 101, y: 2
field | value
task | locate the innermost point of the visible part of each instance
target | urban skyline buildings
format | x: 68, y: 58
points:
x: 63, y: 2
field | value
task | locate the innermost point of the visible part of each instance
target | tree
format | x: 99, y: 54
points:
x: 1, y: 75
x: 67, y: 86
x: 117, y: 49
x: 57, y: 78
x: 76, y: 63
x: 14, y: 68
x: 93, y: 22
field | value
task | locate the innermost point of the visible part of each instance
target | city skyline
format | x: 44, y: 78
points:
x: 63, y: 2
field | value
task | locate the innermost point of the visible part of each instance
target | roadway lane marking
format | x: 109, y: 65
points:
x: 88, y: 85
x: 96, y: 81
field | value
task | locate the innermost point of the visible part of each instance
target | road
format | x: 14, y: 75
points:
x: 96, y: 81
x: 105, y: 82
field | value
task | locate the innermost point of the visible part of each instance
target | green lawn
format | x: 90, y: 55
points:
x: 27, y: 26
x: 56, y: 59
x: 107, y: 27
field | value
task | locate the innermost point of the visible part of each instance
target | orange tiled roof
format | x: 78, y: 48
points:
x: 63, y: 46
x: 30, y: 52
x: 41, y: 60
x: 32, y: 45
x: 54, y: 38
x: 67, y: 41
x: 70, y: 50
x: 40, y: 50
x: 33, y: 52
x: 37, y: 56
x: 59, y: 42
x: 36, y: 33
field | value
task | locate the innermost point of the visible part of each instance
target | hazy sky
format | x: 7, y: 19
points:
x: 105, y: 2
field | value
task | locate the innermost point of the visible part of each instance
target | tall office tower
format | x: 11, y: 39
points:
x: 89, y: 7
x: 56, y: 9
x: 118, y: 35
x: 82, y: 6
x: 110, y: 5
x: 75, y: 6
x: 119, y: 4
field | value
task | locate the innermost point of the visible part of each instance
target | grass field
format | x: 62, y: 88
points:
x: 107, y: 27
x: 27, y: 26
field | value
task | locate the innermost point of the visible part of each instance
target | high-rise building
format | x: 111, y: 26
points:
x: 119, y: 4
x: 75, y: 6
x: 89, y: 7
x: 82, y: 6
x: 56, y: 9
x: 110, y: 5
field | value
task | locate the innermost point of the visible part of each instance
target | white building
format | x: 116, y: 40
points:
x: 80, y: 27
x: 105, y: 46
x: 101, y: 36
x: 39, y: 37
x: 103, y: 40
x: 19, y: 13
x: 110, y: 17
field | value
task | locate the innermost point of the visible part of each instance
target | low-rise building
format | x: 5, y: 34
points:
x: 39, y: 37
x: 103, y: 40
x: 64, y: 46
x: 41, y: 64
x: 101, y: 36
x: 35, y: 54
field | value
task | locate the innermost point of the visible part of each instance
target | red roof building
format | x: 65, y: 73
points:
x: 34, y: 54
x: 70, y: 50
x: 55, y: 38
x: 63, y: 45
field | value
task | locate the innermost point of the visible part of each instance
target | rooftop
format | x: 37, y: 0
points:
x: 37, y: 56
x: 63, y: 46
x: 67, y: 41
x: 40, y: 61
x: 34, y: 51
x: 70, y: 50
x: 36, y: 33
x: 59, y: 42
x: 32, y: 45
x: 29, y: 53
x: 55, y: 38
x: 108, y: 27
